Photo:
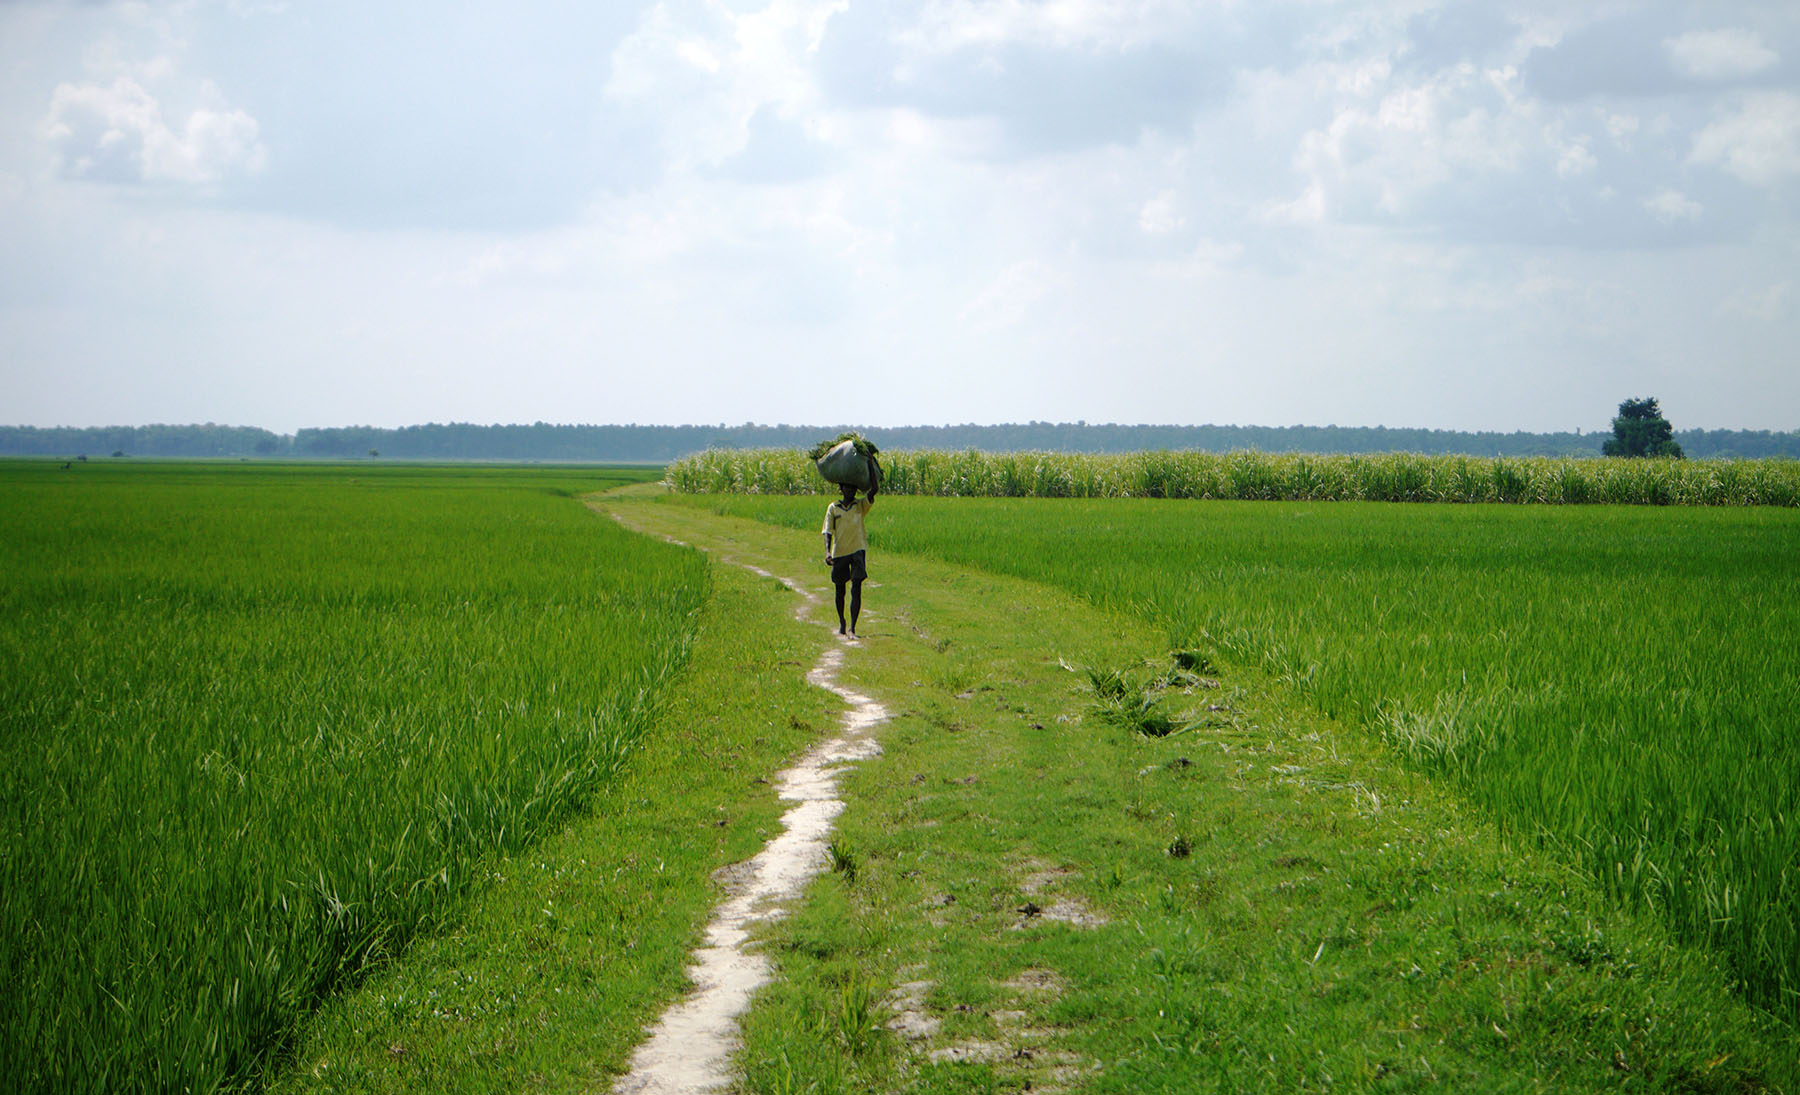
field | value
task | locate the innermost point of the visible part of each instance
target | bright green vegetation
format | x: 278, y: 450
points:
x: 1618, y: 683
x: 261, y: 725
x: 569, y: 949
x: 1256, y: 476
x: 271, y: 733
x: 1263, y: 900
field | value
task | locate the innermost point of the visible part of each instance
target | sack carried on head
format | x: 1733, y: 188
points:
x: 843, y: 465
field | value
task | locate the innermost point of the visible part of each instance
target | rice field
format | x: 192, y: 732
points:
x: 261, y: 725
x: 1617, y: 682
x: 1256, y: 476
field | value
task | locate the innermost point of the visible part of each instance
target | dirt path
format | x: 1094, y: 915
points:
x: 691, y: 1045
x: 922, y: 648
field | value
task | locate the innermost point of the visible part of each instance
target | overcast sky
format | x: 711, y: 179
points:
x: 1471, y: 215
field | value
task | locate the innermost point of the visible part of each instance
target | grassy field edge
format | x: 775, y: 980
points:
x: 571, y: 949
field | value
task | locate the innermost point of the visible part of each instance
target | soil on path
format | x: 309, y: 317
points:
x: 691, y: 1045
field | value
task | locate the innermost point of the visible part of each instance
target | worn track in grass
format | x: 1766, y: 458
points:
x: 690, y: 1047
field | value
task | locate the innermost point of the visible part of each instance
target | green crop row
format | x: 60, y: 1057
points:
x: 1257, y: 476
x: 1617, y: 682
x: 260, y: 726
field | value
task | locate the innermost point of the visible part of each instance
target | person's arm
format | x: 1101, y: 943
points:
x: 827, y: 533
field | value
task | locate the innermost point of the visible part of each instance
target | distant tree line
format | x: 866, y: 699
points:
x: 186, y: 441
x: 544, y: 441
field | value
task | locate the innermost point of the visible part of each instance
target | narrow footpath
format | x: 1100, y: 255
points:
x: 691, y: 1046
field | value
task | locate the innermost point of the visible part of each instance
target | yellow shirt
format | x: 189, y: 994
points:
x: 844, y: 524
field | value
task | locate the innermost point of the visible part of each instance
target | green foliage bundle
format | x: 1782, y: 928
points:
x: 1253, y: 476
x: 864, y: 447
x: 260, y: 726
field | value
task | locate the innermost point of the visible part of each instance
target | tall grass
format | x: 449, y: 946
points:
x: 1618, y: 682
x: 258, y: 727
x: 1253, y: 476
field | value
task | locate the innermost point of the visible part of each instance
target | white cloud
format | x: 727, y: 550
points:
x: 1575, y: 159
x: 1717, y: 55
x: 948, y: 25
x: 698, y: 72
x: 1161, y: 215
x: 699, y: 55
x: 1670, y: 206
x: 1621, y: 127
x: 1011, y: 296
x: 1209, y: 258
x: 1418, y: 138
x: 1759, y: 142
x: 1076, y: 208
x: 1766, y: 304
x: 1308, y: 207
x: 117, y: 133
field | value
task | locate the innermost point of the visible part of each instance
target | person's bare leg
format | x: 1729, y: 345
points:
x: 855, y: 604
x: 840, y: 603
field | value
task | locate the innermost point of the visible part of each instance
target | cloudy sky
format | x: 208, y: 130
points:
x: 1472, y: 215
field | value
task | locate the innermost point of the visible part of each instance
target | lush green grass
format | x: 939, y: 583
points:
x: 572, y: 947
x: 1256, y: 476
x: 260, y: 725
x: 1262, y: 900
x: 1618, y: 682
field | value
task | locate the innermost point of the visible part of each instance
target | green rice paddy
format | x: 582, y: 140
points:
x: 261, y: 725
x: 264, y: 725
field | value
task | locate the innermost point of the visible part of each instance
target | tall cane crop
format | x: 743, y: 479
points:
x: 1255, y: 476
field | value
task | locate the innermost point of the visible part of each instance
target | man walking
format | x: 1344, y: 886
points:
x: 846, y: 545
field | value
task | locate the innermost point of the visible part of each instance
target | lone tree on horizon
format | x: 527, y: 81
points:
x: 1641, y: 430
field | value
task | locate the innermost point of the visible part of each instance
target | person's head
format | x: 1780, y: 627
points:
x: 849, y: 493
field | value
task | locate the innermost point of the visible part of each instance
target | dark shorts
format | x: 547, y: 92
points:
x: 847, y: 568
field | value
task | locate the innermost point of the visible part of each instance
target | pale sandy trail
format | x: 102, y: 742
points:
x: 691, y: 1045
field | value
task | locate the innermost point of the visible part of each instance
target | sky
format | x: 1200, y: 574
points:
x: 1467, y: 215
